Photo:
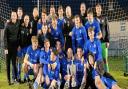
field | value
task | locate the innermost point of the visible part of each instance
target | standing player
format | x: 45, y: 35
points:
x: 68, y: 26
x: 104, y: 26
x: 42, y: 21
x: 34, y: 21
x: 44, y: 35
x: 83, y: 13
x: 61, y: 18
x: 24, y: 42
x: 56, y: 32
x: 79, y: 36
x: 11, y: 44
x: 31, y: 59
x: 52, y: 14
x: 93, y: 23
x: 20, y: 14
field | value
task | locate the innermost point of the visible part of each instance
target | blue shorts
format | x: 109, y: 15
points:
x: 108, y: 81
x: 21, y: 53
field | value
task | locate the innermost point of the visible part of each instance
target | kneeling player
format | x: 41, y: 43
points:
x: 31, y: 60
x: 51, y: 72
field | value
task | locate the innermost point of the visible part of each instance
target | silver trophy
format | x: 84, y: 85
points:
x: 73, y: 74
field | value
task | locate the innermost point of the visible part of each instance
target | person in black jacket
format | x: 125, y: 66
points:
x: 11, y: 44
x: 44, y: 35
x: 68, y: 26
x: 34, y: 21
x: 24, y: 42
x: 83, y: 13
x: 104, y: 26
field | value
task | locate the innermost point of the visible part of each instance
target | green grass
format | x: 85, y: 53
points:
x: 116, y: 69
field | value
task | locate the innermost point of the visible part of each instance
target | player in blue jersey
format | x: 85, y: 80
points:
x: 80, y: 68
x: 56, y: 32
x: 79, y: 36
x: 94, y: 45
x: 93, y: 23
x: 44, y: 56
x: 31, y: 59
x: 42, y: 21
x: 64, y: 64
x: 51, y: 72
x: 60, y: 52
x: 61, y: 19
x: 105, y: 81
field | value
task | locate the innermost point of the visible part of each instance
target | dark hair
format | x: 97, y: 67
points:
x: 90, y: 29
x: 46, y: 40
x: 79, y: 48
x: 60, y: 7
x: 20, y: 8
x: 98, y: 4
x: 44, y: 9
x: 91, y: 54
x: 52, y: 6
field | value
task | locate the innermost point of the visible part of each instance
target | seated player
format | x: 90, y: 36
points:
x: 59, y: 49
x: 44, y: 56
x: 56, y: 32
x: 80, y: 68
x: 24, y: 42
x: 79, y: 36
x: 64, y: 64
x: 44, y: 35
x: 51, y: 72
x: 105, y: 81
x: 31, y: 59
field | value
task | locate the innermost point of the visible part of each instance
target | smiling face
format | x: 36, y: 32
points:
x: 26, y: 19
x: 91, y: 34
x: 98, y: 9
x: 46, y: 44
x: 77, y: 21
x: 35, y: 12
x: 79, y: 52
x: 58, y: 45
x: 13, y: 17
x: 83, y: 8
x: 20, y: 13
x: 69, y: 53
x: 34, y: 41
x: 90, y: 17
x: 44, y: 16
x: 68, y: 11
x: 53, y: 56
x: 60, y: 12
x: 52, y: 10
x: 91, y: 60
x: 44, y: 29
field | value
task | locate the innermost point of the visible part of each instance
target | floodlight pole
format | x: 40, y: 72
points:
x: 38, y: 5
